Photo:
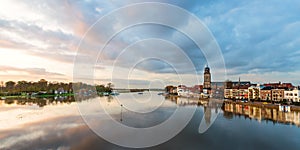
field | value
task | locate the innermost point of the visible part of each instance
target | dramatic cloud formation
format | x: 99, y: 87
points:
x: 260, y: 40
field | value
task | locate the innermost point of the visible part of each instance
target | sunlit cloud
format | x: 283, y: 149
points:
x: 256, y: 38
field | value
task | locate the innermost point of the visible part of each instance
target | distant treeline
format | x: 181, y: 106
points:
x: 42, y: 86
x: 138, y: 90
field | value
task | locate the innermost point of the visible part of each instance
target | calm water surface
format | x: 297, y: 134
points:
x: 57, y: 124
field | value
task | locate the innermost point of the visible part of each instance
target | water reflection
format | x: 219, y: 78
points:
x: 121, y: 114
x: 231, y: 109
x: 261, y: 113
x: 118, y: 107
x: 41, y: 102
x: 56, y: 124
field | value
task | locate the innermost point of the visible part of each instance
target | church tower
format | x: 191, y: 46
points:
x: 207, y: 78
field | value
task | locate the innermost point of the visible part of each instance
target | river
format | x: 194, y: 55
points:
x: 64, y: 123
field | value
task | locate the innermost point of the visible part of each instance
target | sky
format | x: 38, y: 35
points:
x: 259, y: 41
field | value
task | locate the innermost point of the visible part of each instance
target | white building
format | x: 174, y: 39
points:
x: 292, y: 95
x: 182, y: 90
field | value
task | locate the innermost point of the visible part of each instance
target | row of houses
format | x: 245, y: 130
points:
x: 182, y: 90
x: 216, y: 90
x: 267, y: 92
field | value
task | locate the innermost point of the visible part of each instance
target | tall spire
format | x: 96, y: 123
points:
x: 239, y: 83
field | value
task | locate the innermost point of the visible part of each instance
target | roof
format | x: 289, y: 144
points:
x: 217, y: 83
x: 267, y: 88
x: 241, y: 87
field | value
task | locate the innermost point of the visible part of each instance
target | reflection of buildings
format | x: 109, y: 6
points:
x: 269, y: 114
x: 207, y: 115
x: 210, y: 106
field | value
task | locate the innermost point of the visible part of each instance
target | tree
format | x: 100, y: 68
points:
x: 22, y: 86
x: 100, y: 88
x: 108, y: 87
x: 169, y: 89
x: 42, y: 85
x: 10, y: 85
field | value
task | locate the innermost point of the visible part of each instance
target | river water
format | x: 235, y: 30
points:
x: 57, y: 123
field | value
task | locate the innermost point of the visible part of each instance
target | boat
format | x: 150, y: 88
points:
x: 105, y: 94
x: 160, y: 93
x: 114, y: 93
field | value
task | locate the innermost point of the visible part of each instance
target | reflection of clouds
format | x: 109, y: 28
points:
x: 18, y: 116
x: 51, y: 133
x: 158, y: 110
x: 59, y: 133
x: 8, y: 142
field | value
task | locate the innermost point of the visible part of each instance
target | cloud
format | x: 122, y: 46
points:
x: 254, y: 36
x: 39, y: 71
x: 14, y: 73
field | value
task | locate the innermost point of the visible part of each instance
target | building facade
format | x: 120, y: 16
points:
x: 275, y: 92
x: 292, y: 95
x: 277, y: 95
x: 266, y: 94
x: 254, y: 92
x: 236, y: 93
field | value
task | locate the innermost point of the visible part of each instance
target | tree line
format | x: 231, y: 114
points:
x: 46, y: 87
